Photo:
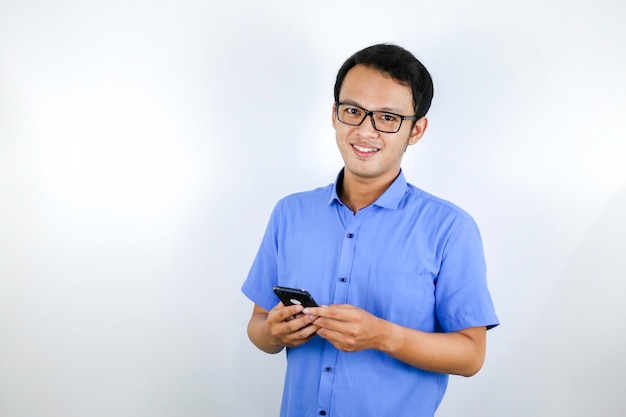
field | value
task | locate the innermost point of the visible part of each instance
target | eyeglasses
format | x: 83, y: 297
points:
x: 382, y: 121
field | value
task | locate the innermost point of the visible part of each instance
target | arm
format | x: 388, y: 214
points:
x: 459, y: 353
x: 282, y: 326
x: 352, y: 329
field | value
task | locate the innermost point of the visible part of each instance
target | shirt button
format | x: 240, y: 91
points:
x: 343, y: 279
x: 328, y: 369
x: 322, y: 413
x: 350, y: 235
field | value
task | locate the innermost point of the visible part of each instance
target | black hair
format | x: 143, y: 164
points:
x: 401, y: 65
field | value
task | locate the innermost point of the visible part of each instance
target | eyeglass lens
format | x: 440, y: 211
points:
x: 354, y: 115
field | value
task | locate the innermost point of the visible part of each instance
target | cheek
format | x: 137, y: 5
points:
x: 342, y: 132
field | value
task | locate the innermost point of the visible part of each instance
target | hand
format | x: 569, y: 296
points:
x: 289, y: 326
x: 347, y: 327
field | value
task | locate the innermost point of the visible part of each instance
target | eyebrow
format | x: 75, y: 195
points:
x: 383, y: 109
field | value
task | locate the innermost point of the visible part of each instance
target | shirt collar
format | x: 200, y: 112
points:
x: 390, y: 199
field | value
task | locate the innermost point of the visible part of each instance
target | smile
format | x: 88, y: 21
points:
x: 364, y: 149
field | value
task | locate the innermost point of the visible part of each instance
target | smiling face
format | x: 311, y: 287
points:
x: 371, y: 156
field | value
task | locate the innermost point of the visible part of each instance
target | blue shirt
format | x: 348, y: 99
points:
x: 410, y: 258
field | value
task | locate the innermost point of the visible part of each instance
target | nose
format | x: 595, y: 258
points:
x: 369, y: 126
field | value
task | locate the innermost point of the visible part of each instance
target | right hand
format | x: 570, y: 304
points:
x: 289, y: 326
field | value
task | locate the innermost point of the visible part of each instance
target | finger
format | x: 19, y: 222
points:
x: 299, y: 335
x: 299, y: 321
x: 332, y: 336
x: 282, y: 313
x: 314, y: 312
x: 334, y: 325
x: 337, y: 312
x: 285, y: 330
x: 304, y: 333
x: 300, y: 339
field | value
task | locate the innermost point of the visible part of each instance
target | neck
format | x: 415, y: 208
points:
x: 357, y: 192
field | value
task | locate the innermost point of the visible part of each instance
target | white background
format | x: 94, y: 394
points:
x: 143, y: 145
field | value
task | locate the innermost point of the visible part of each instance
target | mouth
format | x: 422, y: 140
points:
x: 364, y: 150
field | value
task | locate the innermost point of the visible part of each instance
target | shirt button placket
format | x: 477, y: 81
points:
x: 346, y: 259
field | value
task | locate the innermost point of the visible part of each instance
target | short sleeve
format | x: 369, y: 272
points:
x: 262, y: 276
x: 462, y: 295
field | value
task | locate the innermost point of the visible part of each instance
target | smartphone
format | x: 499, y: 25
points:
x: 291, y: 296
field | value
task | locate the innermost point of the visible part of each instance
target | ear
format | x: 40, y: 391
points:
x: 418, y: 130
x: 334, y: 115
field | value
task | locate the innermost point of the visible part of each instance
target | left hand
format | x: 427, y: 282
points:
x: 348, y: 328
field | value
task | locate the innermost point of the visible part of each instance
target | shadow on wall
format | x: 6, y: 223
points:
x: 579, y: 344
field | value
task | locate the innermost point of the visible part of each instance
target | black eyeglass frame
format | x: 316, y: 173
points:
x: 371, y: 114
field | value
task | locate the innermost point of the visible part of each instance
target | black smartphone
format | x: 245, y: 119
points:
x: 291, y: 296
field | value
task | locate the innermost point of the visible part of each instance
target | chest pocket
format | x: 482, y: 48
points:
x: 399, y: 297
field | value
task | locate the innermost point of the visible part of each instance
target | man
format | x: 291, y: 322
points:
x: 399, y: 274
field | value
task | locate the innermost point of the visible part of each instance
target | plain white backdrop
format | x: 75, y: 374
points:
x: 143, y: 145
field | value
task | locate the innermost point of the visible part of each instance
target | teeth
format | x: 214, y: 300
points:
x: 362, y: 149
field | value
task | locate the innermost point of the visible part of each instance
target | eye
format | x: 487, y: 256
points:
x: 352, y: 111
x: 388, y: 117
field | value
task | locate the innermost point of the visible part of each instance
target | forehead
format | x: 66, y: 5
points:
x: 375, y: 90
